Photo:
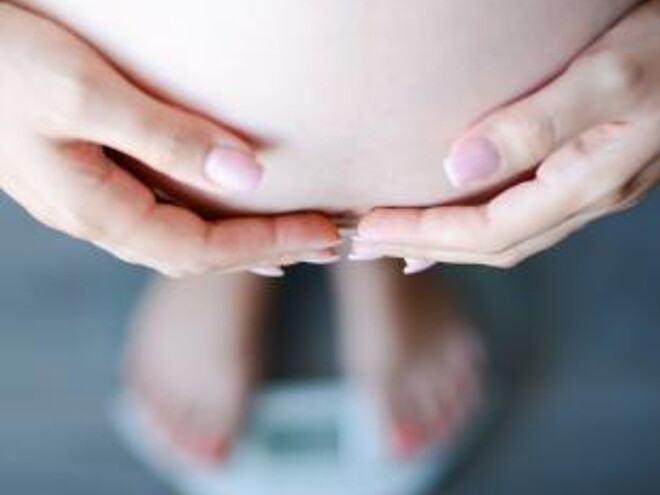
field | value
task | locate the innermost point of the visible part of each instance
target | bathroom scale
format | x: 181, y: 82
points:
x: 302, y: 438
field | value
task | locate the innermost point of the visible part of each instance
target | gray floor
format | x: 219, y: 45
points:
x: 576, y: 333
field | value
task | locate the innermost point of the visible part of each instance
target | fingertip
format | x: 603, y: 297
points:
x: 260, y: 241
x: 307, y: 231
x: 323, y: 257
x: 363, y: 250
x: 415, y: 266
x: 356, y: 255
x: 268, y: 271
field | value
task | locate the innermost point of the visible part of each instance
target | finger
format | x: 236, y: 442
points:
x: 515, y: 254
x: 506, y: 259
x: 235, y: 245
x: 518, y: 137
x: 277, y: 241
x: 105, y: 204
x: 318, y: 257
x: 590, y: 170
x: 414, y: 266
x: 531, y: 247
x: 268, y: 271
x: 170, y: 140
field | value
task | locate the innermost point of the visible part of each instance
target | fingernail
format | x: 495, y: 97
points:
x: 365, y: 256
x: 364, y: 251
x: 268, y: 271
x: 233, y: 169
x: 322, y: 259
x: 414, y: 266
x: 472, y: 162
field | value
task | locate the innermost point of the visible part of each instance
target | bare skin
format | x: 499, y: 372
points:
x: 587, y: 142
x: 365, y: 125
x: 193, y: 357
x: 62, y: 103
x: 406, y: 346
x: 349, y: 104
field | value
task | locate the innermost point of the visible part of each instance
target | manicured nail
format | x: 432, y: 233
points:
x: 472, y: 162
x: 268, y: 271
x: 365, y: 256
x: 233, y: 169
x: 322, y: 259
x: 363, y: 250
x: 414, y: 266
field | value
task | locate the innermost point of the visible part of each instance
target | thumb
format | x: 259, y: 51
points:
x: 172, y: 141
x: 518, y: 137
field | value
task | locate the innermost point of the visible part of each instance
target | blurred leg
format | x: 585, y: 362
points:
x: 193, y: 357
x: 406, y: 344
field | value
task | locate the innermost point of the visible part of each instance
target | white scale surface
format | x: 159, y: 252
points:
x: 316, y: 438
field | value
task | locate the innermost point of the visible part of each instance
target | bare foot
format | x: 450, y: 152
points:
x: 192, y: 358
x: 407, y: 346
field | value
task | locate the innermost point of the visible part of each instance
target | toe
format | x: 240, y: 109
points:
x: 459, y: 398
x: 196, y: 436
x: 409, y: 434
x: 204, y: 449
x: 407, y: 439
x: 181, y: 427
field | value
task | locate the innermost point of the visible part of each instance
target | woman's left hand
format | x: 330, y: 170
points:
x: 591, y: 139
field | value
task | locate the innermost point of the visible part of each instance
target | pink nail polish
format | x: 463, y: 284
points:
x: 233, y: 169
x: 414, y: 266
x: 472, y: 162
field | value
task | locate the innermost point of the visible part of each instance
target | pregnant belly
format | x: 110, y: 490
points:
x: 353, y: 102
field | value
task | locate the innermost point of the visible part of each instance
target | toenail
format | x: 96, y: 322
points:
x: 407, y: 440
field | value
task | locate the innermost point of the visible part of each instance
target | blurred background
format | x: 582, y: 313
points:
x: 575, y: 335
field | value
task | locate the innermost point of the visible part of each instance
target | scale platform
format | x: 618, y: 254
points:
x: 314, y: 437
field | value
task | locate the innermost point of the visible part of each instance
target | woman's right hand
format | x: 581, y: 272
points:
x: 61, y: 102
